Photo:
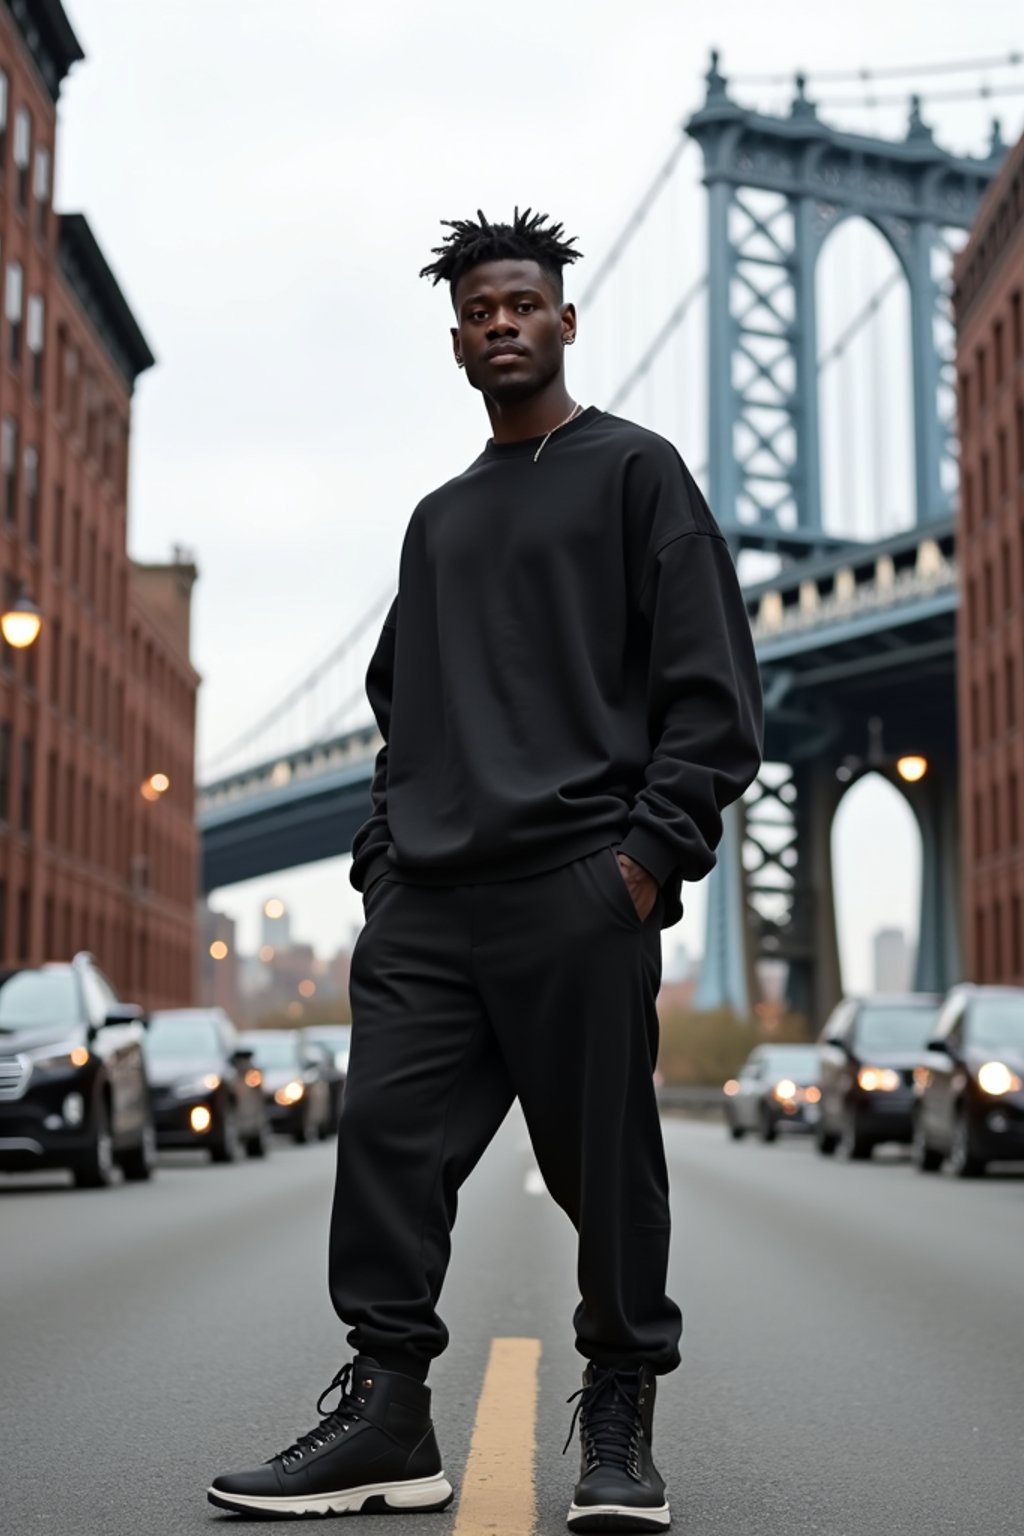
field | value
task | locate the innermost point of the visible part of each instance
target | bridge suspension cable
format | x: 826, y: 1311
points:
x: 305, y: 688
x: 885, y: 72
x: 660, y: 341
x: 634, y: 222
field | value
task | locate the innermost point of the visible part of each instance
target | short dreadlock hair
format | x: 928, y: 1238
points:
x: 526, y: 239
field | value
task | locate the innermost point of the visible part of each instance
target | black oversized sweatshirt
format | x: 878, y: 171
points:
x: 568, y: 665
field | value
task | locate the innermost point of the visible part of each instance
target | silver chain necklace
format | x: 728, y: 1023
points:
x: 575, y: 410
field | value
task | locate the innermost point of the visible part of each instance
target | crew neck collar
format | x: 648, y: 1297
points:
x: 529, y: 445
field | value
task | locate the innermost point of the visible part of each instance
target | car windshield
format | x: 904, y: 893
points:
x: 274, y: 1050
x: 994, y: 1022
x: 38, y: 997
x: 803, y: 1062
x: 173, y: 1035
x: 335, y: 1037
x: 894, y: 1026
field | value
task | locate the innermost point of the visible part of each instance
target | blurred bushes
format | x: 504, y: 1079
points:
x: 702, y: 1049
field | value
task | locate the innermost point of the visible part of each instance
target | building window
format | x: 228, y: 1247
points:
x: 990, y: 603
x: 56, y: 642
x: 993, y: 717
x: 76, y: 545
x: 69, y: 810
x: 4, y: 100
x: 997, y: 941
x: 88, y: 703
x: 979, y: 827
x: 27, y: 778
x: 5, y: 770
x: 997, y: 819
x: 32, y: 496
x: 52, y: 794
x: 1007, y: 564
x: 967, y: 483
x: 9, y: 459
x: 72, y: 676
x: 22, y: 153
x: 41, y: 189
x: 58, y: 527
x: 13, y: 303
x: 35, y: 330
x: 1002, y: 462
x: 986, y: 487
x: 103, y: 726
x: 964, y: 382
x: 1020, y: 441
x: 10, y: 593
x: 23, y: 918
x: 92, y: 415
x: 1016, y: 334
x: 975, y: 715
x: 1013, y: 806
x: 972, y: 609
x: 997, y: 352
x: 1016, y: 936
x: 90, y: 566
x: 1011, y: 693
x: 979, y: 368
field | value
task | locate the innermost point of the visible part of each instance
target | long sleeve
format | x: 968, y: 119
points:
x: 373, y: 839
x: 705, y: 708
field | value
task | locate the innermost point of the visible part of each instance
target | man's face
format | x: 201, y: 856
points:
x: 510, y: 328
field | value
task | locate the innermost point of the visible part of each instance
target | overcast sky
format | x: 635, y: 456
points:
x: 266, y: 181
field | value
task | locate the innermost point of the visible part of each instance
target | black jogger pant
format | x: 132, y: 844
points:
x: 464, y: 997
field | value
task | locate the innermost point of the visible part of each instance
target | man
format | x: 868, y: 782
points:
x: 568, y: 695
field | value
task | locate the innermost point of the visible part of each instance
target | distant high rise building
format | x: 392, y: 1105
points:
x: 892, y: 961
x: 275, y: 927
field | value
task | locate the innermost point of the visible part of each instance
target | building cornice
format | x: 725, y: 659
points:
x: 999, y: 222
x: 95, y: 287
x: 49, y: 38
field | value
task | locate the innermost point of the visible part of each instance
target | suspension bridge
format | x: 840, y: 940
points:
x: 824, y: 439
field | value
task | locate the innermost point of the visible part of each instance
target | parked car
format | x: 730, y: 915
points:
x: 72, y: 1075
x: 335, y: 1040
x: 295, y: 1091
x: 777, y: 1086
x: 969, y: 1106
x: 205, y: 1090
x: 869, y: 1049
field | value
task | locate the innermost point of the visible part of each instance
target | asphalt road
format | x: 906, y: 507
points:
x: 852, y: 1353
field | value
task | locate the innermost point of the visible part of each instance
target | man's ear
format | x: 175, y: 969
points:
x: 568, y: 324
x: 456, y: 348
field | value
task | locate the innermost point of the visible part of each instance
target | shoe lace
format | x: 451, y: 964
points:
x: 609, y: 1418
x: 337, y: 1422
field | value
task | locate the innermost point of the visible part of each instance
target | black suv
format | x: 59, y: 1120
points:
x: 72, y: 1075
x: 869, y: 1049
x: 970, y: 1085
x: 205, y: 1090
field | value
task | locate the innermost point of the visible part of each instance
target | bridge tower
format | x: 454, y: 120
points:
x: 764, y: 472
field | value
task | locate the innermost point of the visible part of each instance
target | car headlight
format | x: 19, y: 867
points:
x: 291, y: 1093
x: 60, y: 1058
x: 996, y: 1078
x: 878, y: 1079
x: 198, y: 1087
x: 785, y: 1089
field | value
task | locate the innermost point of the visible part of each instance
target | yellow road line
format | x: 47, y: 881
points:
x: 498, y: 1490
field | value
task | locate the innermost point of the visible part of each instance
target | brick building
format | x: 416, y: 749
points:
x: 106, y: 697
x: 988, y: 291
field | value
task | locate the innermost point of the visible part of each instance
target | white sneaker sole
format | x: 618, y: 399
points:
x: 421, y: 1493
x: 618, y: 1517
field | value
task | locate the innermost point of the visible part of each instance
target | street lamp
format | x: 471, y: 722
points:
x: 21, y: 623
x: 156, y: 785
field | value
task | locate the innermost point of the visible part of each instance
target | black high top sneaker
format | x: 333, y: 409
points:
x: 375, y: 1453
x: 620, y: 1488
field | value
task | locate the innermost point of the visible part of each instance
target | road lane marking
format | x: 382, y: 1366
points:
x: 534, y: 1184
x: 499, y: 1493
